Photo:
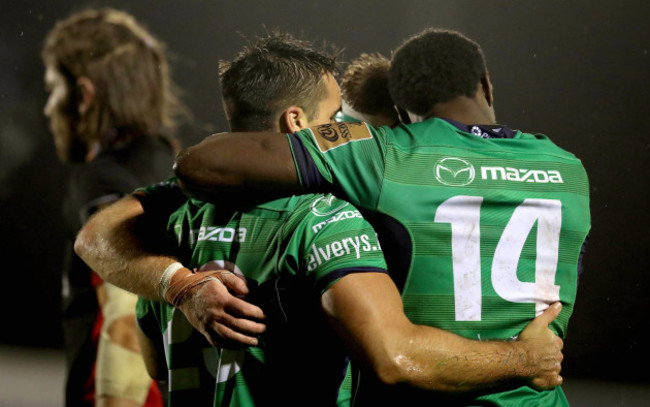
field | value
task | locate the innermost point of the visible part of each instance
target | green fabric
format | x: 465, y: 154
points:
x: 493, y: 227
x: 290, y: 251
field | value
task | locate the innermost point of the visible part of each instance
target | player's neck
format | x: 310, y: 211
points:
x: 465, y: 110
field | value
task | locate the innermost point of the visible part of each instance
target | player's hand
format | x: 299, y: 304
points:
x: 214, y: 309
x: 544, y: 349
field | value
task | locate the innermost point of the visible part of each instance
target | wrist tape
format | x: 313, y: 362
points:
x: 176, y: 282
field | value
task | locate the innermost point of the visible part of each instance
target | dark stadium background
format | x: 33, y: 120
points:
x: 576, y: 70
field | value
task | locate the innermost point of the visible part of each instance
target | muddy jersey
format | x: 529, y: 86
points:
x: 290, y: 251
x: 482, y: 226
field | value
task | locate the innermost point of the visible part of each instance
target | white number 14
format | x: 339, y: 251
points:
x: 464, y: 214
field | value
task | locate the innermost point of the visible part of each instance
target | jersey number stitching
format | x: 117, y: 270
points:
x: 464, y: 213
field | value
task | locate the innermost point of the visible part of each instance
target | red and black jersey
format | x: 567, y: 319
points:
x: 115, y: 172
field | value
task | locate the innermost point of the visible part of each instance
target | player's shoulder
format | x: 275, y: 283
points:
x: 167, y: 186
x: 280, y: 205
x: 101, y: 168
x: 546, y: 145
x: 105, y: 175
x: 325, y: 209
x: 90, y: 187
x: 320, y: 205
x: 331, y: 136
x: 418, y: 134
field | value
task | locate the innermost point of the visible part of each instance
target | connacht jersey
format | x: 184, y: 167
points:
x: 482, y: 227
x: 290, y: 251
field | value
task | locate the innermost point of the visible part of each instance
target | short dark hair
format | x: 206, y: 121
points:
x: 434, y: 66
x: 364, y: 85
x: 270, y: 75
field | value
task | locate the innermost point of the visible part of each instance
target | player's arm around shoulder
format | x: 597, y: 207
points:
x: 235, y: 163
x: 343, y: 255
x: 366, y: 310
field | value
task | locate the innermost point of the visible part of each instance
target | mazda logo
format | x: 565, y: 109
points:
x: 454, y: 172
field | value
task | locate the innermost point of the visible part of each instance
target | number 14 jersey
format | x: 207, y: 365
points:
x: 481, y: 232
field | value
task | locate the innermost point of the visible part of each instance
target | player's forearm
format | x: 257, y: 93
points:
x: 366, y: 310
x: 437, y: 360
x: 109, y: 243
x: 238, y: 166
x: 431, y: 358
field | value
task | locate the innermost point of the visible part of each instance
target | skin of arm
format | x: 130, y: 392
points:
x: 259, y: 162
x: 118, y: 244
x: 415, y: 356
x: 110, y: 244
x: 366, y: 310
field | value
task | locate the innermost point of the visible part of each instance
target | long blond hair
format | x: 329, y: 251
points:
x: 128, y: 68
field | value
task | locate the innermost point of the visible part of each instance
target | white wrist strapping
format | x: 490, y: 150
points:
x: 166, y: 277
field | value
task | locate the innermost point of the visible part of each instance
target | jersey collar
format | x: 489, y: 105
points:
x: 483, y: 130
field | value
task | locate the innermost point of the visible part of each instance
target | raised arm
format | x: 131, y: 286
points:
x: 366, y: 310
x: 249, y: 167
x: 125, y: 249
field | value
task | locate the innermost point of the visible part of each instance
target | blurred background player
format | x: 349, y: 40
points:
x: 482, y: 225
x: 111, y: 111
x: 364, y: 92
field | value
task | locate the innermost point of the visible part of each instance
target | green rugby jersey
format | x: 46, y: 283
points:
x: 481, y: 234
x: 290, y: 251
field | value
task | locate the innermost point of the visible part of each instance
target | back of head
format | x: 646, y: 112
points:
x: 126, y: 65
x: 268, y: 76
x: 435, y: 66
x: 364, y: 86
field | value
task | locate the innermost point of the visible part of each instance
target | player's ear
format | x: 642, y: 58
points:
x: 86, y: 94
x: 486, y: 84
x: 293, y: 119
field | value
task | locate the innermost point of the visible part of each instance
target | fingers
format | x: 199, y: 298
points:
x: 549, y: 375
x: 234, y: 283
x: 222, y: 318
x: 241, y: 308
x: 213, y: 294
x: 234, y: 305
x: 222, y: 336
x: 549, y: 382
x: 228, y: 331
x: 550, y: 314
x: 246, y: 327
x: 559, y: 380
x: 235, y: 321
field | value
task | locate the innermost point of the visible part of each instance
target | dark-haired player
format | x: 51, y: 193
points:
x: 289, y: 250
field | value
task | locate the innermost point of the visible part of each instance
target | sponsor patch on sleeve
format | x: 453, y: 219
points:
x: 331, y: 135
